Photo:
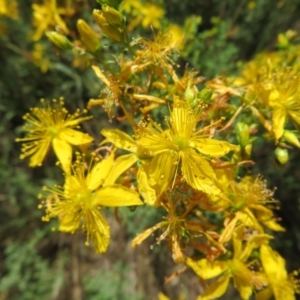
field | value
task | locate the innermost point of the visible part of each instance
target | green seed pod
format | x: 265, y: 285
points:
x: 282, y: 155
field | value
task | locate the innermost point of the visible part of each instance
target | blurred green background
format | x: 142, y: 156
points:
x: 36, y: 263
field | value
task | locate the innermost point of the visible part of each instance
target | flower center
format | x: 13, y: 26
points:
x: 53, y: 131
x: 84, y: 197
x: 180, y: 142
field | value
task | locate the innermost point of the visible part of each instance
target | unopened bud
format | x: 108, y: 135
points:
x: 205, y: 95
x: 59, y: 40
x: 242, y: 133
x: 291, y: 138
x: 282, y: 41
x: 112, y: 16
x: 282, y: 155
x: 99, y: 17
x: 88, y: 36
x: 190, y: 95
x: 109, y: 30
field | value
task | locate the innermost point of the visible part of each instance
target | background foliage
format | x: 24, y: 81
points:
x: 36, y: 264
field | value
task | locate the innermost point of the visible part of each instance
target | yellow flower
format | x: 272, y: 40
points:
x: 282, y: 95
x: 157, y: 52
x: 245, y: 280
x: 39, y: 58
x: 181, y: 147
x: 254, y: 194
x: 152, y: 14
x: 177, y: 35
x: 148, y: 14
x: 77, y: 204
x: 9, y: 8
x: 123, y: 141
x: 48, y: 14
x: 280, y: 285
x: 48, y: 126
x: 248, y: 198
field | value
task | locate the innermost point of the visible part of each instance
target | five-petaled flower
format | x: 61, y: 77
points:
x: 48, y: 126
x: 85, y: 191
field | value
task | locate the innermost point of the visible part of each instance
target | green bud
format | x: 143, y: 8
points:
x: 59, y: 40
x: 291, y: 138
x: 282, y: 155
x: 282, y: 41
x: 190, y: 95
x: 88, y: 36
x: 205, y: 95
x: 112, y: 16
x: 110, y: 31
x: 242, y: 133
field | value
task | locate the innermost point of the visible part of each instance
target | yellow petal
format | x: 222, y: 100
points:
x: 63, y: 152
x: 120, y: 165
x: 216, y: 289
x: 265, y: 294
x: 38, y: 157
x: 162, y: 170
x: 142, y: 236
x: 70, y: 221
x: 278, y: 121
x: 75, y: 137
x: 198, y: 173
x: 161, y: 296
x: 245, y: 288
x: 97, y: 229
x: 273, y: 264
x: 100, y: 75
x: 76, y: 121
x: 254, y: 242
x: 295, y: 116
x: 273, y: 225
x: 146, y: 191
x: 213, y: 147
x: 120, y: 139
x: 116, y: 195
x: 283, y: 291
x: 99, y: 172
x: 207, y: 269
x: 184, y: 121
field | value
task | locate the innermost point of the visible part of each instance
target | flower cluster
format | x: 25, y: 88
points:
x: 185, y: 151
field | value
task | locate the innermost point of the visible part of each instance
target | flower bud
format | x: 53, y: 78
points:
x: 109, y: 30
x: 205, y: 95
x: 190, y: 95
x: 242, y: 133
x: 282, y: 155
x: 291, y: 138
x: 59, y: 40
x: 99, y: 17
x: 88, y: 36
x: 112, y: 16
